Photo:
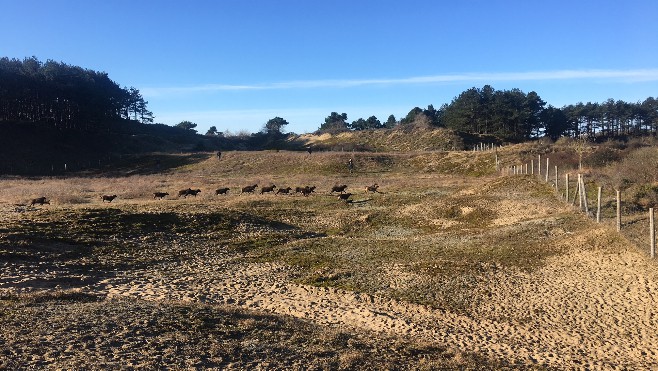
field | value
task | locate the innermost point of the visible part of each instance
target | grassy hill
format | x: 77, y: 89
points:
x: 41, y: 149
x: 400, y: 139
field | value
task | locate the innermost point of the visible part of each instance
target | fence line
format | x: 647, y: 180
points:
x: 580, y: 193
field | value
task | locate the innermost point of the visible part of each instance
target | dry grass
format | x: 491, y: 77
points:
x: 400, y: 139
x: 437, y: 235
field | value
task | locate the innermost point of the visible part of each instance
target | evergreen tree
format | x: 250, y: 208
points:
x: 186, y: 125
x: 555, y: 122
x: 275, y: 125
x: 212, y: 131
x: 69, y: 97
x: 391, y: 122
x: 334, y: 123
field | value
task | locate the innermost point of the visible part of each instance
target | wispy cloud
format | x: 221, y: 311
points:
x: 624, y: 76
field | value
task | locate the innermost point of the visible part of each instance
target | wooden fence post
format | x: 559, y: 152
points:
x: 557, y: 190
x: 580, y: 194
x: 618, y: 211
x: 652, y: 234
x: 547, y: 170
x: 532, y: 166
x: 539, y: 166
x: 598, y: 206
x: 566, y: 180
x: 576, y: 191
x: 582, y: 186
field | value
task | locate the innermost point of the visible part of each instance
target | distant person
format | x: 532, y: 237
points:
x: 309, y: 150
x: 350, y: 165
x: 219, y: 155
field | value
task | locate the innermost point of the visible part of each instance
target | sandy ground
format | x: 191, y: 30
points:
x: 591, y: 308
x: 586, y: 309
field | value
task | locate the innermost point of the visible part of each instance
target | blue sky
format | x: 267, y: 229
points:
x: 235, y: 64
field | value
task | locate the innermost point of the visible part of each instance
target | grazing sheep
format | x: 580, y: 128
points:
x: 40, y: 201
x: 108, y: 198
x: 188, y: 192
x: 372, y: 188
x: 159, y: 195
x: 283, y: 190
x: 338, y: 188
x: 221, y: 191
x: 308, y: 190
x: 249, y: 189
x: 267, y: 189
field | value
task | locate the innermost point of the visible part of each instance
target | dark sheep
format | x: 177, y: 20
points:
x: 188, y: 192
x: 372, y: 188
x: 221, y: 191
x: 344, y: 196
x: 338, y: 188
x: 193, y: 192
x: 283, y: 190
x: 40, y: 201
x: 267, y: 189
x: 159, y: 195
x: 305, y: 190
x: 308, y: 190
x: 249, y: 189
x: 108, y: 198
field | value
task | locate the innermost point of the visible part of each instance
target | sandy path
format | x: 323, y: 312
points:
x: 585, y: 309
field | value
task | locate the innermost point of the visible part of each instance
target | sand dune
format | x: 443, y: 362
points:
x: 594, y: 306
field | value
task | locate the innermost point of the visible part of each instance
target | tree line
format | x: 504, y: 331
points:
x: 513, y: 115
x: 69, y: 97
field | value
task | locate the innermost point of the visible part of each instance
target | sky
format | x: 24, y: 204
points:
x: 235, y: 64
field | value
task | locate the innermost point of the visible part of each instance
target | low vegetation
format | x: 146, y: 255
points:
x: 443, y: 230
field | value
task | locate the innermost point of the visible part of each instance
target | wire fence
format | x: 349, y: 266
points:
x: 604, y: 207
